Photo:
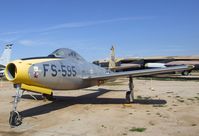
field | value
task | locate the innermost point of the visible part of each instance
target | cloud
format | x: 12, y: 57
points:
x: 17, y: 36
x: 26, y: 42
x: 31, y: 42
x: 78, y: 25
x: 10, y: 33
x: 91, y: 23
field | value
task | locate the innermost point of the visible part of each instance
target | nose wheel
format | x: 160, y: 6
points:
x: 15, y: 118
x: 130, y: 93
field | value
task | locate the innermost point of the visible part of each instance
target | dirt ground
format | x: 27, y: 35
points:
x: 166, y: 108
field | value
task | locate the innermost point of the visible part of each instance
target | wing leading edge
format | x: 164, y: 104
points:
x: 137, y: 73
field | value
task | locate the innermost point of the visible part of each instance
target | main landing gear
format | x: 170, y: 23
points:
x: 130, y: 93
x: 15, y: 117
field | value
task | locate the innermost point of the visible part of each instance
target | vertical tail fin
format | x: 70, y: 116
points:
x: 112, y: 60
x: 5, y: 57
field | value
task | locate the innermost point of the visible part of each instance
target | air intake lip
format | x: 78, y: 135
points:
x: 11, y: 71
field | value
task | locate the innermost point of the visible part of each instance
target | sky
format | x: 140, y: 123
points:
x: 136, y: 28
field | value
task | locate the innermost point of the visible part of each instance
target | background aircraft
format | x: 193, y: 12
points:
x: 5, y: 58
x: 134, y: 63
x: 64, y: 69
x: 120, y: 64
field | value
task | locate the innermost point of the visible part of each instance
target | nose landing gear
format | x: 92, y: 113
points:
x: 15, y: 118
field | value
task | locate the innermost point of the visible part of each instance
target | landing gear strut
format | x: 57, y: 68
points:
x: 130, y: 93
x: 15, y: 117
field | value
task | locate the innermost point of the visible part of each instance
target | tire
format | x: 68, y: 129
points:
x: 128, y: 95
x: 185, y: 73
x: 15, y: 119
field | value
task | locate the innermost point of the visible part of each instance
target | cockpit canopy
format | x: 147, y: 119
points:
x: 65, y: 53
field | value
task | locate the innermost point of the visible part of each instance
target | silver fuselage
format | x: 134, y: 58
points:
x: 65, y: 74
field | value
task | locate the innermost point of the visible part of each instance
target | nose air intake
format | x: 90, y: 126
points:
x: 11, y: 71
x: 17, y: 72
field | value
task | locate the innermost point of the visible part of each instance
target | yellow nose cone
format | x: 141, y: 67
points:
x: 18, y: 72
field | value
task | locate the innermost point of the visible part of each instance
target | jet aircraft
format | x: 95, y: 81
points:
x: 64, y: 69
x: 5, y: 58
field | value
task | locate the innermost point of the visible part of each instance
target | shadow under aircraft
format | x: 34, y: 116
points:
x: 61, y: 102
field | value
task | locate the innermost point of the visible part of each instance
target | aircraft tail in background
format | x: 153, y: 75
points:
x: 112, y: 61
x: 6, y: 55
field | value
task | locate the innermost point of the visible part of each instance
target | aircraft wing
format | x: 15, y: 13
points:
x: 137, y: 73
